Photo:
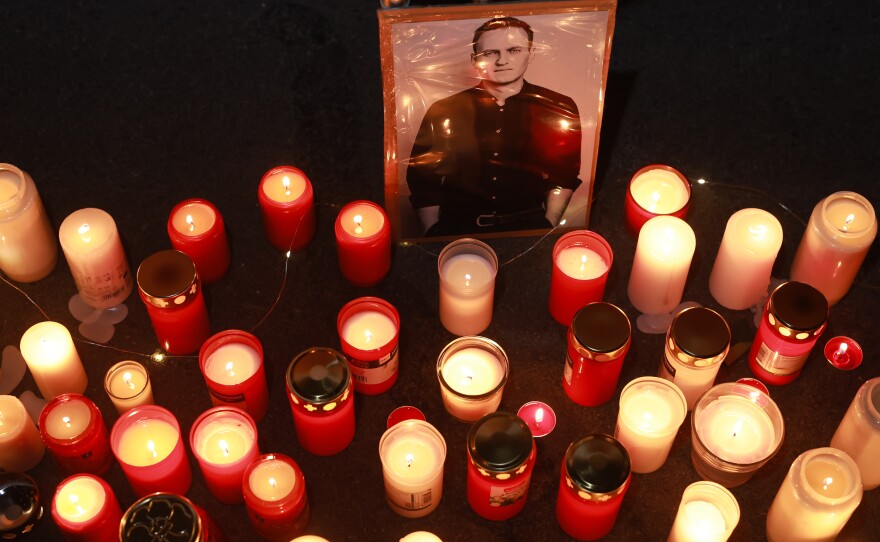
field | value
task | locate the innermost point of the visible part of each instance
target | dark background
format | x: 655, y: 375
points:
x: 134, y: 106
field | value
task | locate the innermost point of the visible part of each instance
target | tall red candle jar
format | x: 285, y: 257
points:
x: 595, y: 476
x: 321, y: 395
x: 793, y: 319
x: 147, y: 442
x: 172, y: 292
x: 224, y: 441
x: 86, y: 510
x: 653, y: 191
x: 154, y: 517
x: 697, y: 342
x: 275, y: 496
x: 74, y: 432
x: 368, y: 330
x: 501, y: 456
x: 363, y: 243
x: 581, y: 261
x: 598, y: 340
x: 196, y: 228
x: 232, y: 364
x: 287, y: 203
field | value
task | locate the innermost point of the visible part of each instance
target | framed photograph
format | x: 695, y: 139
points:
x: 492, y: 116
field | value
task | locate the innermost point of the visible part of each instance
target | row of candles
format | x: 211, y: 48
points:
x: 472, y: 370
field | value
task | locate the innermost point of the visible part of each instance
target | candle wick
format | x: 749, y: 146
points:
x: 152, y: 448
x: 66, y: 420
x: 409, y: 460
x: 849, y: 219
x: 583, y: 262
x: 358, y: 220
x: 126, y: 377
x: 229, y: 368
x: 224, y: 447
x: 83, y: 232
x: 272, y: 482
x: 467, y: 279
x: 190, y: 223
x: 286, y: 182
x: 368, y: 335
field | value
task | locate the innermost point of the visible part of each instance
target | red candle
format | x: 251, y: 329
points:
x: 74, y: 432
x: 286, y: 201
x: 363, y: 243
x: 581, y: 260
x: 595, y: 477
x: 232, y: 364
x: 170, y: 288
x: 320, y: 391
x: 147, y: 443
x: 368, y: 330
x: 162, y: 515
x: 86, y: 510
x: 501, y: 456
x: 275, y: 495
x: 196, y: 228
x: 653, y: 191
x: 598, y: 340
x: 224, y: 441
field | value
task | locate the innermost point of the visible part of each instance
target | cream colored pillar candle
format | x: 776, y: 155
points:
x: 48, y: 350
x: 859, y: 432
x: 660, y: 268
x: 28, y: 250
x: 21, y: 447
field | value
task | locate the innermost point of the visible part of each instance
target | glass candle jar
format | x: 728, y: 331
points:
x: 275, y: 496
x: 320, y: 391
x: 581, y: 261
x: 28, y: 248
x: 793, y: 320
x: 467, y: 269
x: 20, y: 504
x: 224, y: 441
x: 74, y: 432
x: 232, y: 364
x: 595, y: 476
x: 817, y: 497
x: 287, y: 204
x: 155, y: 516
x: 413, y: 453
x: 655, y: 190
x: 472, y: 372
x: 368, y: 330
x: 598, y: 340
x: 501, y: 456
x: 697, y: 342
x: 651, y: 411
x: 196, y: 228
x: 859, y: 432
x: 170, y: 288
x: 363, y: 243
x: 128, y: 385
x: 86, y: 510
x: 708, y: 513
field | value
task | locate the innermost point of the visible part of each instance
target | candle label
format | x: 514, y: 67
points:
x: 232, y: 399
x: 408, y: 501
x: 508, y: 495
x: 374, y: 371
x: 106, y: 286
x: 569, y: 369
x: 779, y: 364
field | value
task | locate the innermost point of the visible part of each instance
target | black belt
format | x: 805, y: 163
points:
x: 498, y: 219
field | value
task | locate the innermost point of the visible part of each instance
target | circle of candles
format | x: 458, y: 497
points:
x: 735, y: 430
x: 286, y: 201
x: 540, y: 418
x: 86, y: 509
x: 232, y: 364
x: 655, y: 190
x: 651, y: 411
x: 595, y: 476
x: 21, y: 448
x: 581, y: 261
x: 48, y: 350
x: 817, y: 497
x: 224, y: 441
x: 320, y: 392
x: 196, y: 228
x: 843, y: 353
x: 859, y: 432
x: 472, y: 372
x: 147, y: 444
x: 20, y: 505
x: 29, y: 249
x: 412, y: 454
x: 153, y: 516
x: 741, y: 272
x: 74, y: 432
x: 363, y: 243
x: 275, y: 495
x: 94, y: 253
x: 697, y: 342
x: 368, y: 330
x: 467, y: 269
x: 708, y: 513
x: 793, y: 319
x: 660, y: 267
x: 598, y: 340
x: 128, y: 385
x: 171, y: 290
x: 839, y: 234
x: 501, y: 456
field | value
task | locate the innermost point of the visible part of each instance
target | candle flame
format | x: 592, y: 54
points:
x: 583, y: 262
x: 224, y: 447
x: 272, y: 482
x: 151, y: 446
x: 409, y: 460
x: 539, y: 415
x: 285, y: 182
x: 758, y: 231
x: 1, y: 420
x: 842, y: 350
x: 468, y: 376
x: 84, y: 234
x: 229, y: 368
x: 74, y: 500
x: 827, y: 482
x: 190, y: 223
x: 849, y: 219
x: 66, y: 420
x: 368, y: 335
x: 467, y: 279
x: 446, y: 126
x: 126, y: 377
x: 358, y: 221
x: 738, y: 427
x: 655, y: 199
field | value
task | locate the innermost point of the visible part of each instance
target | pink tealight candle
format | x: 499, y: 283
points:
x: 86, y: 510
x: 196, y: 228
x: 843, y: 353
x: 232, y: 364
x: 540, y: 418
x: 224, y: 441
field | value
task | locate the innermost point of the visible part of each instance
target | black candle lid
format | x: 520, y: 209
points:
x: 799, y: 306
x: 499, y: 442
x: 20, y: 507
x: 597, y: 464
x: 700, y: 332
x: 166, y: 276
x: 601, y: 328
x: 318, y: 375
x: 153, y: 517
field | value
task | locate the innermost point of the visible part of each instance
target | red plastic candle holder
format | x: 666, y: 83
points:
x: 232, y: 365
x: 581, y: 261
x: 540, y: 418
x: 74, y: 432
x: 275, y: 496
x: 670, y: 182
x: 224, y: 441
x: 369, y: 328
x: 86, y: 509
x: 196, y: 228
x: 363, y: 243
x: 287, y: 207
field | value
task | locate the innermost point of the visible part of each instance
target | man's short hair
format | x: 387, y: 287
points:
x: 502, y: 22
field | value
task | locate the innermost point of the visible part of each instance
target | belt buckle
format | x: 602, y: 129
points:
x: 481, y: 224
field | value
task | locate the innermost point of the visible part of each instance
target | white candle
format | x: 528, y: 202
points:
x: 80, y: 499
x: 48, y: 350
x: 96, y: 258
x: 412, y: 454
x: 466, y: 375
x: 651, y: 411
x: 741, y: 272
x: 284, y: 186
x: 708, y: 513
x: 147, y: 442
x: 272, y: 480
x: 859, y: 432
x: 28, y: 249
x: 223, y: 440
x: 467, y: 290
x: 659, y: 191
x: 21, y: 447
x: 128, y: 385
x: 361, y: 220
x: 193, y: 219
x: 736, y: 430
x: 232, y: 364
x: 368, y: 330
x: 660, y: 268
x: 421, y: 536
x: 68, y: 420
x: 581, y: 263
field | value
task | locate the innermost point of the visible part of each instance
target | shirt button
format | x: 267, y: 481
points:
x: 501, y: 109
x: 498, y: 131
x: 494, y: 197
x: 494, y: 178
x: 494, y: 154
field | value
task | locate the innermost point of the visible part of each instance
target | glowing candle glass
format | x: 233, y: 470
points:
x: 286, y: 201
x: 581, y: 261
x: 128, y: 385
x: 48, y: 350
x: 859, y: 432
x: 472, y: 372
x: 467, y: 270
x: 196, y: 228
x: 224, y: 441
x: 708, y: 513
x: 655, y: 190
x: 28, y: 249
x: 73, y: 429
x: 412, y: 454
x: 275, y: 495
x: 368, y: 330
x: 21, y: 448
x: 363, y: 243
x: 651, y: 411
x: 86, y: 510
x: 232, y: 364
